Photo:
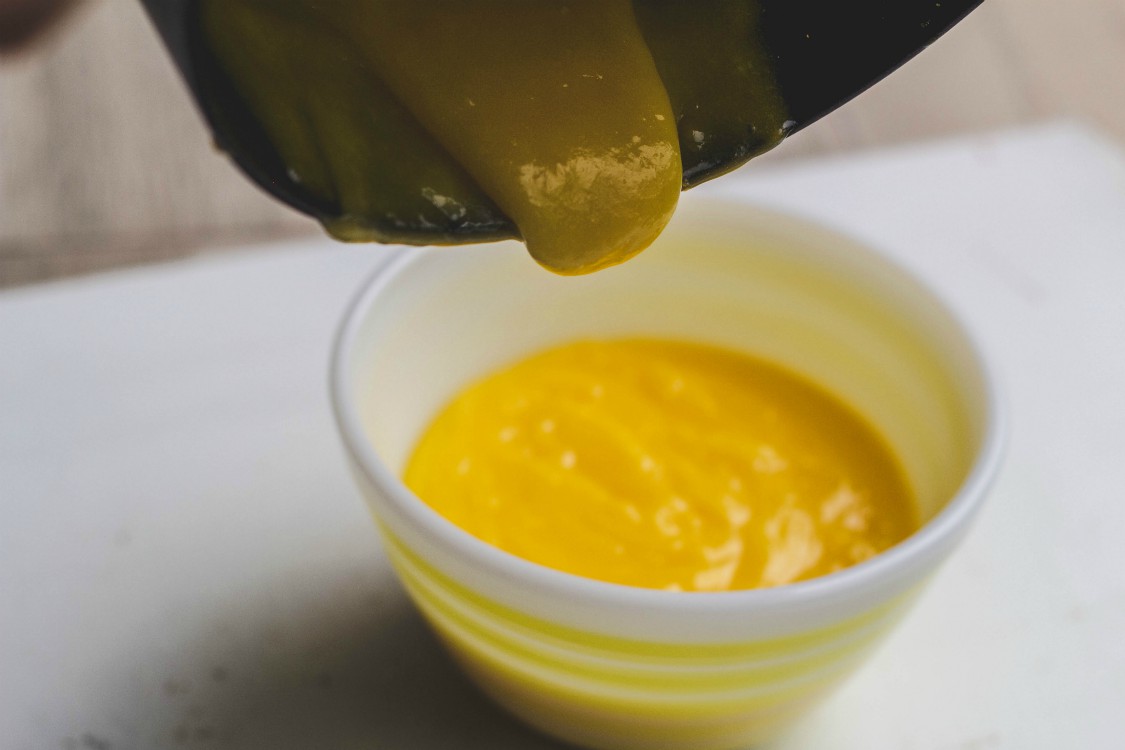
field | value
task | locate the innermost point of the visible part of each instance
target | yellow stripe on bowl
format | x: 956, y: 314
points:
x: 559, y: 653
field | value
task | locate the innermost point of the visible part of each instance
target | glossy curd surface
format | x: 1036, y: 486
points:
x: 664, y: 465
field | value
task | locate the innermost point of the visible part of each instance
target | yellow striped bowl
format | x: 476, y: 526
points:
x: 608, y: 666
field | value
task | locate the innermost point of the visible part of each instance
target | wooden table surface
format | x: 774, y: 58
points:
x: 104, y: 162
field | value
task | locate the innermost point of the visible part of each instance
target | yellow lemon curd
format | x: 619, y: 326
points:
x: 565, y: 123
x: 663, y: 465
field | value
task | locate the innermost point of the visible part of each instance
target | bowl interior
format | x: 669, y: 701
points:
x: 727, y: 275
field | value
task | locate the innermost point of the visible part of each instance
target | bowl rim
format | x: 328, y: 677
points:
x: 937, y: 535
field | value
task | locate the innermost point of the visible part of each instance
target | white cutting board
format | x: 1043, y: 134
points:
x: 185, y: 563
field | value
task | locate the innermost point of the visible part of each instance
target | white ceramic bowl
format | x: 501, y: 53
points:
x: 610, y: 666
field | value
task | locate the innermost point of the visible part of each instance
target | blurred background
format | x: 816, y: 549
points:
x: 105, y: 163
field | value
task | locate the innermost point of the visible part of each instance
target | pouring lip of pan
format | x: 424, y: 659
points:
x: 899, y: 567
x: 177, y: 21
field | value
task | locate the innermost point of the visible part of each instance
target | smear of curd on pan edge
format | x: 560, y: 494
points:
x: 663, y: 465
x: 564, y: 123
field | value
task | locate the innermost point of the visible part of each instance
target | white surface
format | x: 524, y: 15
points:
x: 185, y: 563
